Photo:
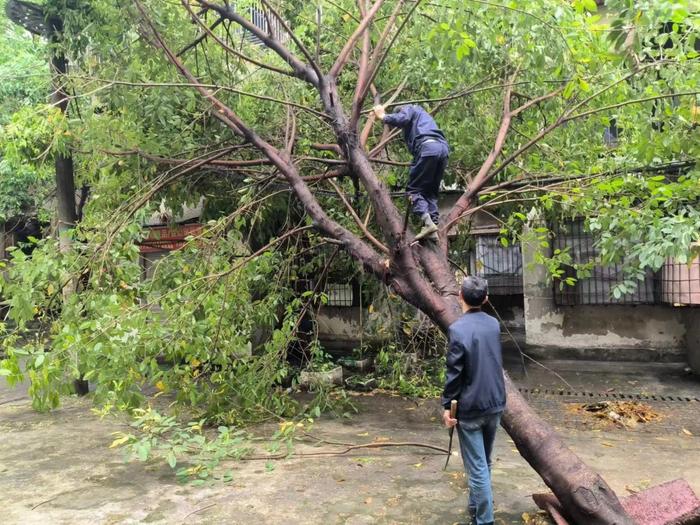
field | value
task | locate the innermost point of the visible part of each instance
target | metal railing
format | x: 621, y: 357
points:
x: 675, y: 283
x: 501, y: 266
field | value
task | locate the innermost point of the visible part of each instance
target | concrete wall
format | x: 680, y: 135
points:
x: 339, y: 327
x: 613, y: 332
x: 692, y: 338
x: 343, y: 328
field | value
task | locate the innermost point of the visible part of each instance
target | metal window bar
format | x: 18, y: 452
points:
x: 341, y: 294
x: 680, y: 283
x: 501, y: 266
x: 257, y: 16
x: 598, y: 288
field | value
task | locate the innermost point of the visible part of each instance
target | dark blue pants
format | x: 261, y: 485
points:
x: 424, y: 177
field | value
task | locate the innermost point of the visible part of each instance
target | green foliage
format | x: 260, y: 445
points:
x: 194, y: 452
x: 26, y: 129
x: 22, y: 189
x: 320, y: 360
x: 210, y: 335
x: 24, y: 69
x: 405, y: 373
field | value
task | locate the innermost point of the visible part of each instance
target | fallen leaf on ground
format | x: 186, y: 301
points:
x: 687, y: 432
x: 418, y: 465
x: 626, y: 414
x: 606, y: 444
x: 363, y: 434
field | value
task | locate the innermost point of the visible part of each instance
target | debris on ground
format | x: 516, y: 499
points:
x: 540, y: 518
x: 626, y: 414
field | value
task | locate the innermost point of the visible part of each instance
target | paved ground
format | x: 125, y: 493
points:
x: 57, y: 467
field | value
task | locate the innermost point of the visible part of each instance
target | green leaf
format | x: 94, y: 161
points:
x: 590, y: 6
x: 569, y: 90
x: 142, y: 451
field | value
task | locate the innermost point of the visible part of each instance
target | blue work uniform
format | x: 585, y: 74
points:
x: 430, y: 151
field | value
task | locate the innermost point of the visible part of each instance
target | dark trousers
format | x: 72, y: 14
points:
x: 424, y: 177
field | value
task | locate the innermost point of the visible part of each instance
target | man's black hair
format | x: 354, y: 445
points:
x: 474, y: 290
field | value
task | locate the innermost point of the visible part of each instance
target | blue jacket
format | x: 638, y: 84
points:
x: 475, y: 366
x: 417, y: 125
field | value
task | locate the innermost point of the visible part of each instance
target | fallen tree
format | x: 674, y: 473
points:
x: 420, y: 274
x: 330, y: 73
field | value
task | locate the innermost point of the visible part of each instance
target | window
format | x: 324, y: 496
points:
x: 501, y: 266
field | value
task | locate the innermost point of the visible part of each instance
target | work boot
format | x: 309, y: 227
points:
x: 429, y: 227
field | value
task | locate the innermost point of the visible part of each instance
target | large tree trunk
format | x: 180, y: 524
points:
x: 583, y: 493
x: 66, y: 212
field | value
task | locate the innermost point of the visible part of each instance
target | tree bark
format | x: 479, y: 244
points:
x: 583, y: 493
x: 66, y: 212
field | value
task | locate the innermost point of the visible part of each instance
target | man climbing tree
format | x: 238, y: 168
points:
x: 430, y: 151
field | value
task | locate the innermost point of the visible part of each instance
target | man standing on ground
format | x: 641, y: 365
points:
x: 430, y: 150
x: 475, y: 379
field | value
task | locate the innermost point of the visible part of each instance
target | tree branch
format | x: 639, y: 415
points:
x: 536, y: 101
x: 357, y: 219
x: 216, y: 87
x: 296, y: 40
x: 347, y: 48
x: 629, y: 102
x: 362, y: 72
x: 378, y: 60
x: 291, y: 132
x: 200, y: 38
x: 566, y: 116
x: 358, y: 248
x: 301, y: 70
x: 228, y: 48
x: 323, y: 453
x: 482, y: 175
x: 327, y: 147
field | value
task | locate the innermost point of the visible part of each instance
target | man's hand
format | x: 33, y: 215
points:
x: 449, y: 421
x: 379, y: 111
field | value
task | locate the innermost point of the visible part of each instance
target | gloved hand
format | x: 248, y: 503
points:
x: 379, y: 111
